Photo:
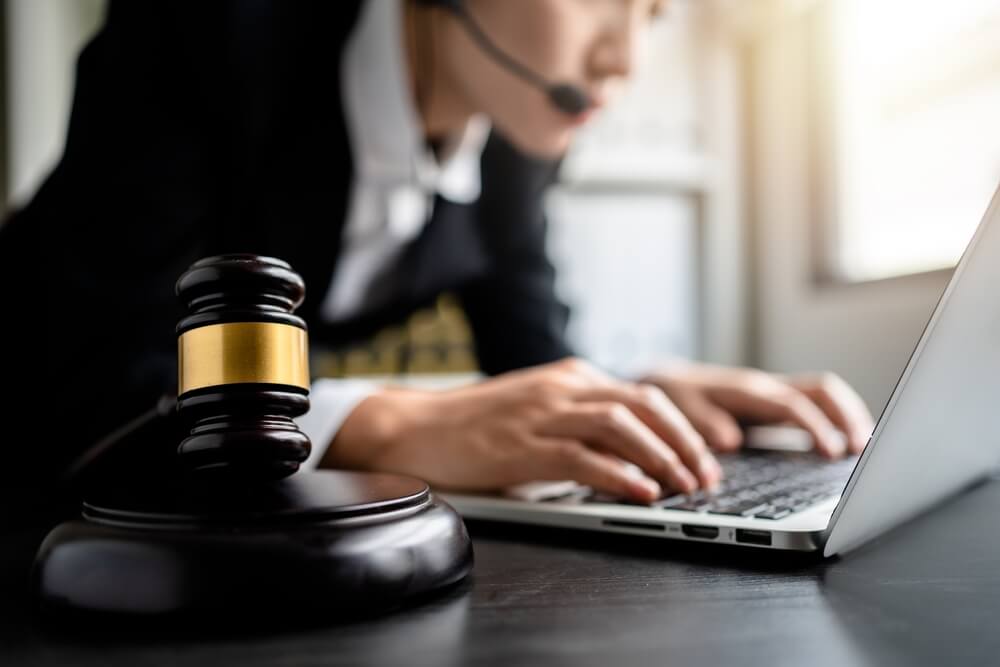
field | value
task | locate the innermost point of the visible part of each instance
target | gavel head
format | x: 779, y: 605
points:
x: 243, y: 367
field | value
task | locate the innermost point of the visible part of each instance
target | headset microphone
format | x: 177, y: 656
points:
x: 566, y: 97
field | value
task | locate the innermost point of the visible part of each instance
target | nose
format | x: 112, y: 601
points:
x: 615, y: 52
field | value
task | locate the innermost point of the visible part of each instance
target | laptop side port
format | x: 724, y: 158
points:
x: 702, y: 532
x: 749, y: 536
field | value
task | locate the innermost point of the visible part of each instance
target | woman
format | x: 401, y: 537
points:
x: 388, y: 155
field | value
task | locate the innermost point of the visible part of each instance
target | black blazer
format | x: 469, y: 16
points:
x: 211, y: 127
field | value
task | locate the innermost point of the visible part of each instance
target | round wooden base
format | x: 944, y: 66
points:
x: 335, y: 541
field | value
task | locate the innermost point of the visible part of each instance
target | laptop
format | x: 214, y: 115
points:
x: 939, y: 434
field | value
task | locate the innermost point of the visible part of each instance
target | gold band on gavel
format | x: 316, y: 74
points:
x: 238, y: 352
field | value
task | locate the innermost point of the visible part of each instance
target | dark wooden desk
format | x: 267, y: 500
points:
x: 926, y: 594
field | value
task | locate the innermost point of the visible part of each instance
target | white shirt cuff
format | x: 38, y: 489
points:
x: 330, y: 403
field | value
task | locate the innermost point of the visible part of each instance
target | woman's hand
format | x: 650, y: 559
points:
x: 714, y: 397
x: 565, y: 420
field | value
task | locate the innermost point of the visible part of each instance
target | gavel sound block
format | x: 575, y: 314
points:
x: 240, y: 531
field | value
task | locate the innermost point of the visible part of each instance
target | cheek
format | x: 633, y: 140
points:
x: 532, y: 124
x: 549, y: 36
x: 545, y: 35
x: 550, y: 44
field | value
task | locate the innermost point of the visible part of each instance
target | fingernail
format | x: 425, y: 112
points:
x: 861, y: 440
x: 688, y: 482
x: 709, y: 469
x: 840, y: 437
x: 729, y: 439
x: 646, y: 488
x: 836, y: 443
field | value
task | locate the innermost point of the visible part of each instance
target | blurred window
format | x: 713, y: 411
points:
x: 915, y: 132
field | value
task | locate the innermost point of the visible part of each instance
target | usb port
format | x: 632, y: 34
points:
x: 749, y: 536
x: 704, y: 532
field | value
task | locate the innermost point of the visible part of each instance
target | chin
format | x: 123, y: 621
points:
x: 542, y: 145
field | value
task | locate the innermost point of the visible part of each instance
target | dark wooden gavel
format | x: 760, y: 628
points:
x: 232, y: 529
x: 243, y: 367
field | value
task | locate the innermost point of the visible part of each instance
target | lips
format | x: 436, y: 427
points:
x: 583, y: 117
x: 597, y: 103
x: 598, y: 98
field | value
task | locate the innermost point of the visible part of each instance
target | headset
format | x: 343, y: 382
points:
x: 566, y: 97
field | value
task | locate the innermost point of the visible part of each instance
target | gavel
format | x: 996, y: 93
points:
x: 242, y: 367
x: 237, y: 528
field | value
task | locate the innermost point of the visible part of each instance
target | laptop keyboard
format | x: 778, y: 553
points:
x: 764, y: 485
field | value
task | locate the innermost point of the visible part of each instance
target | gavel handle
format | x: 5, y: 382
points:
x: 164, y: 408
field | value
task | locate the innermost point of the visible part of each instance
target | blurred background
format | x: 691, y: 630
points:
x: 787, y: 184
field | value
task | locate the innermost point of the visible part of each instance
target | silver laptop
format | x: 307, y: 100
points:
x: 939, y: 433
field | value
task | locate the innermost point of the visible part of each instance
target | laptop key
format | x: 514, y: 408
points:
x: 739, y: 510
x: 672, y: 501
x: 769, y: 486
x: 691, y: 506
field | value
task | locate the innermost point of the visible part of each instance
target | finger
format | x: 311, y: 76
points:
x: 718, y: 427
x: 861, y: 419
x: 565, y: 458
x: 614, y: 428
x: 768, y: 399
x: 799, y: 409
x: 658, y: 413
x: 845, y: 409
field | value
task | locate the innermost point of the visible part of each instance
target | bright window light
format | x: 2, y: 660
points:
x: 917, y: 134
